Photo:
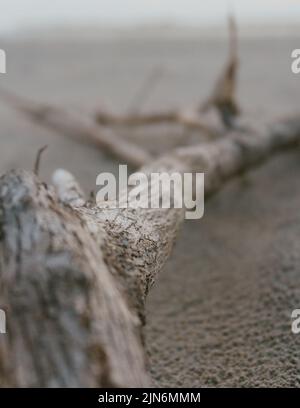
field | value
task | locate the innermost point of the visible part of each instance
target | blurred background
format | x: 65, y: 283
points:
x: 16, y: 15
x: 220, y: 313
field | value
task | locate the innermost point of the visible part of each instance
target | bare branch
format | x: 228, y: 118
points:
x: 189, y: 119
x: 223, y: 97
x: 81, y: 128
x: 105, y: 260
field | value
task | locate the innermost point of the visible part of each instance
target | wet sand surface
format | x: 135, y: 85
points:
x: 219, y: 314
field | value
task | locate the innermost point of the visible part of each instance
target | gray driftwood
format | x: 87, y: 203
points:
x: 74, y: 278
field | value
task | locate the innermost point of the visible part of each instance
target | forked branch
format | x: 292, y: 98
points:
x: 74, y: 279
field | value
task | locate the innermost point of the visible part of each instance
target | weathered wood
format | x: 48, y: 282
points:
x: 74, y: 278
x: 68, y: 321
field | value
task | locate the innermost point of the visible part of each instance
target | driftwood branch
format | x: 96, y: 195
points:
x: 74, y: 279
x: 78, y: 127
x: 68, y: 323
x: 187, y: 118
x: 99, y: 130
x: 223, y: 97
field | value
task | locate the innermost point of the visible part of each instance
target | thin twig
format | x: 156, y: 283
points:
x: 38, y: 160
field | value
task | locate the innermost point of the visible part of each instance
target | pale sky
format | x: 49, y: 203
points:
x: 16, y: 14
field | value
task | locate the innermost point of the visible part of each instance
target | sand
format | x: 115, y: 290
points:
x: 219, y: 314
